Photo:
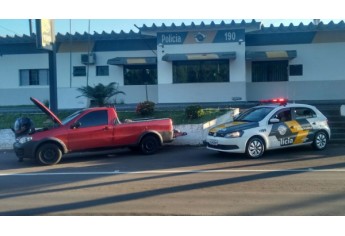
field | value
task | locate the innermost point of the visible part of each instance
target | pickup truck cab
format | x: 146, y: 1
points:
x: 90, y: 129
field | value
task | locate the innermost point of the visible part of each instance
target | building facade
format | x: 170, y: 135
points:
x: 182, y: 64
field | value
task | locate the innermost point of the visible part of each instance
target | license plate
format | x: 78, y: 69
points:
x: 213, y: 142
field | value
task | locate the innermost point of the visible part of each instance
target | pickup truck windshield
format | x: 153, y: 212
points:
x: 255, y: 114
x: 70, y: 117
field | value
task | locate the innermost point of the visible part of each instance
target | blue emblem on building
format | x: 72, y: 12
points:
x: 199, y: 37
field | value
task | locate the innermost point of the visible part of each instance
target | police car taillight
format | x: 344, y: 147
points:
x: 281, y: 101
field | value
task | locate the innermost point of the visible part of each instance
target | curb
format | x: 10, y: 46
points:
x: 196, y: 134
x: 7, y: 139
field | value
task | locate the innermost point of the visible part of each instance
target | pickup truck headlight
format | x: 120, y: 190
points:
x: 24, y: 139
x: 234, y: 134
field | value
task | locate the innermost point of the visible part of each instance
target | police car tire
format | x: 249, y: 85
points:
x: 320, y: 140
x: 48, y: 154
x: 255, y: 147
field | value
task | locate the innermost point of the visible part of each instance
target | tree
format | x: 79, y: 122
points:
x: 100, y: 93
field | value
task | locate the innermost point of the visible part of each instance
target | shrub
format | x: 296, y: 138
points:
x: 46, y: 103
x: 194, y: 112
x: 145, y: 108
x: 99, y: 94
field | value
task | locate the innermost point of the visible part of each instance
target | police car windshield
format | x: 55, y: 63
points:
x: 254, y: 114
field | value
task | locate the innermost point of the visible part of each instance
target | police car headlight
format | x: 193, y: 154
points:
x: 24, y: 139
x: 234, y: 134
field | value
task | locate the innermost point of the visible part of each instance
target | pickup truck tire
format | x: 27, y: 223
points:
x: 149, y: 145
x: 48, y: 154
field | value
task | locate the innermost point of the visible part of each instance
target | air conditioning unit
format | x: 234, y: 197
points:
x: 88, y: 59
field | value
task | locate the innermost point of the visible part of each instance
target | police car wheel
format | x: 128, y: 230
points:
x: 320, y: 140
x: 255, y: 147
x: 48, y: 154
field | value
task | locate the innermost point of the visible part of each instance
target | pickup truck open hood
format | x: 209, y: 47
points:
x: 46, y: 110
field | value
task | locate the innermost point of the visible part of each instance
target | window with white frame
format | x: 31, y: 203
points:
x: 34, y: 77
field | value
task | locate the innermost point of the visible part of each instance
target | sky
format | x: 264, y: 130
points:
x: 108, y: 16
x: 20, y: 27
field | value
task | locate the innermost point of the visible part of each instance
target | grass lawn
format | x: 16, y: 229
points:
x: 178, y: 117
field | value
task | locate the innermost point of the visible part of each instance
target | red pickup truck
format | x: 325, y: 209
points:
x: 90, y: 129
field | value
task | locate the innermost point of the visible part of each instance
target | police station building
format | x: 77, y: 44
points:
x: 203, y: 63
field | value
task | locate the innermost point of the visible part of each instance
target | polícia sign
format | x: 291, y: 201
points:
x: 197, y: 37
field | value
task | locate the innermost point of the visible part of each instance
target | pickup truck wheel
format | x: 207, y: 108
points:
x: 149, y: 145
x: 48, y: 154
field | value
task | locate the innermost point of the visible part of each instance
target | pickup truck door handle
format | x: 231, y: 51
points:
x: 106, y: 128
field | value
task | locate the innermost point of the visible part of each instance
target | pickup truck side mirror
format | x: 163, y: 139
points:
x: 76, y: 125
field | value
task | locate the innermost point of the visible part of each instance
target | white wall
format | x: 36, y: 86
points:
x: 21, y: 96
x: 201, y: 92
x: 69, y: 97
x: 323, y: 74
x: 65, y: 68
x: 297, y: 90
x: 11, y: 93
x: 137, y: 93
x: 321, y: 61
x: 67, y: 83
x: 11, y: 64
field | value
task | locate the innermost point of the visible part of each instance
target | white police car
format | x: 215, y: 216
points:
x: 272, y: 125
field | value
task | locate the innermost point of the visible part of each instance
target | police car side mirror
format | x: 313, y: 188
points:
x: 274, y: 120
x: 235, y: 116
x: 342, y: 110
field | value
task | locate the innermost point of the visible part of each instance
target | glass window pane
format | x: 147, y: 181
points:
x: 95, y: 118
x: 24, y: 78
x: 79, y: 71
x: 140, y: 74
x: 304, y: 113
x: 201, y: 71
x: 43, y: 77
x: 102, y: 70
x: 34, y: 80
x: 269, y: 71
x: 296, y: 70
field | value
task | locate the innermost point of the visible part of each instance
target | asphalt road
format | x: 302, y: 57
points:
x: 177, y: 181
